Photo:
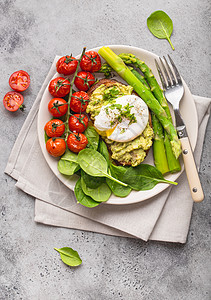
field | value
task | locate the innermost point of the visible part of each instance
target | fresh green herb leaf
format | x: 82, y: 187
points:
x: 91, y: 181
x: 94, y: 164
x: 69, y: 256
x: 92, y: 137
x: 144, y: 177
x: 82, y: 198
x: 110, y: 94
x: 100, y: 194
x: 160, y: 25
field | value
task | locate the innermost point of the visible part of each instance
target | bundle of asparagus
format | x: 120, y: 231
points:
x: 166, y: 146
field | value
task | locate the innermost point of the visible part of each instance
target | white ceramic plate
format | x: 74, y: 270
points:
x: 187, y: 108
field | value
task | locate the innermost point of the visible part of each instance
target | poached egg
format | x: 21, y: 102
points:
x: 124, y: 119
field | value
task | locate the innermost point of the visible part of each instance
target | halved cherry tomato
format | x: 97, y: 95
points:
x: 84, y: 80
x: 19, y: 81
x: 79, y: 101
x: 57, y: 107
x: 59, y: 87
x: 90, y: 62
x: 78, y: 122
x: 56, y: 146
x: 54, y: 128
x: 66, y: 65
x: 76, y: 142
x: 13, y: 101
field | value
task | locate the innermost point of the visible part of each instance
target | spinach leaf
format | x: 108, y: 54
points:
x: 67, y: 164
x: 100, y: 194
x: 118, y: 189
x: 92, y: 137
x: 94, y: 164
x: 102, y: 148
x: 144, y: 177
x: 69, y: 256
x: 82, y: 198
x: 118, y: 171
x: 91, y: 181
x: 67, y: 167
x: 160, y: 25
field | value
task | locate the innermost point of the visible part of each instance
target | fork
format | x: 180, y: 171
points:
x: 173, y: 91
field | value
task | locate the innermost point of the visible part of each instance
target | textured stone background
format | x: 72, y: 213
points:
x: 31, y: 34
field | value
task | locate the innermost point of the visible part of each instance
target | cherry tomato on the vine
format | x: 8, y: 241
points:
x: 13, y: 101
x: 79, y: 101
x: 59, y: 87
x: 78, y: 122
x: 66, y: 65
x: 54, y: 128
x: 57, y: 107
x: 19, y: 81
x: 90, y: 62
x: 84, y: 80
x: 76, y: 142
x: 56, y: 146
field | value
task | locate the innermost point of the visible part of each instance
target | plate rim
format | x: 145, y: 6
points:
x: 115, y: 200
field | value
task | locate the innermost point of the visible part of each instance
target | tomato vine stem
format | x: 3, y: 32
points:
x: 70, y: 94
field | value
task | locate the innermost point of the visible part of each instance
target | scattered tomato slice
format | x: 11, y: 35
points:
x: 13, y: 101
x: 19, y: 81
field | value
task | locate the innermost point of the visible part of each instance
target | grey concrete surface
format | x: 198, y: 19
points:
x: 31, y: 34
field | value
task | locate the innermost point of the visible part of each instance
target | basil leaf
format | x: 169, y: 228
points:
x: 94, y: 164
x: 160, y: 25
x: 82, y: 198
x: 144, y: 177
x: 92, y: 137
x: 104, y: 151
x: 91, y: 181
x: 100, y: 194
x: 69, y: 256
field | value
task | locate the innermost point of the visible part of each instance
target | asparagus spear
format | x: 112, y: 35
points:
x: 128, y: 58
x: 159, y: 152
x: 118, y: 65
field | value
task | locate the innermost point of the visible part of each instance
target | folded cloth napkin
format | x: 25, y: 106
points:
x: 165, y: 217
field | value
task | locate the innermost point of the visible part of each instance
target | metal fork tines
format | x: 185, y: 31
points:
x: 173, y: 91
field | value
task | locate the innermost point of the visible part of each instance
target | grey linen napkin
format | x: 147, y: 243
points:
x: 165, y: 217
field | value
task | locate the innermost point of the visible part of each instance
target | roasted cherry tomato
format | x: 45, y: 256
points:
x: 13, y: 101
x: 76, y: 142
x: 78, y: 122
x: 54, y: 128
x: 66, y: 65
x: 57, y: 107
x: 56, y: 146
x: 19, y: 81
x: 91, y: 62
x: 79, y: 101
x: 59, y: 87
x: 84, y: 80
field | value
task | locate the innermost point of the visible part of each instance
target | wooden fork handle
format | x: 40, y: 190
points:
x: 191, y: 171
